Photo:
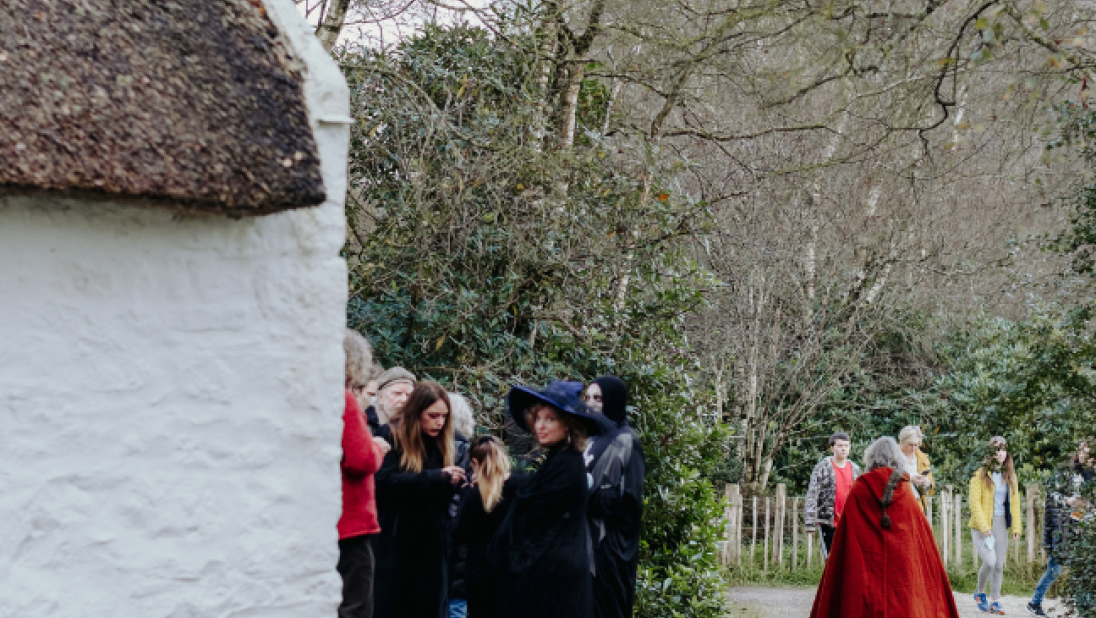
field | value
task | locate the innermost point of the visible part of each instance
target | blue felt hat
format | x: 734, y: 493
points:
x: 561, y: 395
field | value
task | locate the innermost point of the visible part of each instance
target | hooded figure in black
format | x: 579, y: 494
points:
x: 542, y: 544
x: 615, y: 464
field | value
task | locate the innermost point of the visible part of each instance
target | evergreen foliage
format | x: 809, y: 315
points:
x: 482, y: 257
x: 483, y: 253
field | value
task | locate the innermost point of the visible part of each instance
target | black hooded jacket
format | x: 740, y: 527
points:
x: 615, y: 511
x: 411, y: 577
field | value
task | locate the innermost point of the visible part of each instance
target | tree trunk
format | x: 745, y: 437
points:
x: 573, y: 57
x: 719, y: 398
x: 331, y: 24
x: 546, y: 65
x: 565, y: 137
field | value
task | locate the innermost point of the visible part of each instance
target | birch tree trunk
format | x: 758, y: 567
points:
x: 331, y: 23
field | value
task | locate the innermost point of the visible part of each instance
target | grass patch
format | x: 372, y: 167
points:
x: 1020, y: 579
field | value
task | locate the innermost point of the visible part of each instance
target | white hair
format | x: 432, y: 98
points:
x: 884, y: 453
x: 909, y: 433
x: 463, y: 422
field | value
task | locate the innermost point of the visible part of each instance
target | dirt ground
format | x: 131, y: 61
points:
x: 796, y: 603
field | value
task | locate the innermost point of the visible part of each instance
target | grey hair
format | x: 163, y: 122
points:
x: 908, y: 432
x: 883, y: 453
x: 463, y: 422
x: 373, y: 373
x: 359, y: 356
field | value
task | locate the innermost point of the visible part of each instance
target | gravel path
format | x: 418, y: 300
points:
x: 796, y: 603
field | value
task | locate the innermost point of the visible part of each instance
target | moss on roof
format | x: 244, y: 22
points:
x: 190, y: 104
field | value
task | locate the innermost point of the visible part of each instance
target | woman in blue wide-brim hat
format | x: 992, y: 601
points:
x: 542, y: 547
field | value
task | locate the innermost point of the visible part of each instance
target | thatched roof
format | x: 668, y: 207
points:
x: 188, y: 104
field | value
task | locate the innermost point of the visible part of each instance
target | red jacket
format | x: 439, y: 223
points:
x: 361, y: 459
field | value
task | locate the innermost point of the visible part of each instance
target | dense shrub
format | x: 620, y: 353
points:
x: 482, y: 257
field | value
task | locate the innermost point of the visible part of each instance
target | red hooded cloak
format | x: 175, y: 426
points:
x: 879, y: 572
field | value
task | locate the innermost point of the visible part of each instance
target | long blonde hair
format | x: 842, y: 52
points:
x: 407, y: 428
x: 493, y: 470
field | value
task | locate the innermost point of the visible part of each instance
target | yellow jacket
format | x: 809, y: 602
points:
x: 981, y: 505
x: 924, y: 467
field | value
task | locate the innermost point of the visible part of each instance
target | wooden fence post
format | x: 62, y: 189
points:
x: 1032, y: 491
x: 810, y: 537
x: 795, y: 533
x: 1015, y: 551
x: 738, y: 533
x: 778, y: 523
x: 958, y: 508
x: 945, y: 524
x: 768, y: 512
x: 928, y: 515
x: 753, y: 541
x: 734, y: 542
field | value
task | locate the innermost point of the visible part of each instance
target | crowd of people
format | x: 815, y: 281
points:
x: 881, y: 557
x: 436, y: 524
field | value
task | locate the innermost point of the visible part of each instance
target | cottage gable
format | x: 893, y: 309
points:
x: 191, y: 105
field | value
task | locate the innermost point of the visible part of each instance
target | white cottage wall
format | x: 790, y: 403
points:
x: 170, y: 399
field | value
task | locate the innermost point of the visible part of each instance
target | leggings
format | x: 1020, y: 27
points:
x: 993, y: 560
x: 827, y: 536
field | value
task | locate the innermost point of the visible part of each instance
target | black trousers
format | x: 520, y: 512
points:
x: 827, y: 536
x: 356, y: 565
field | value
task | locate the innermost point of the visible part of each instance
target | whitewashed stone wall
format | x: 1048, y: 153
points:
x: 170, y: 400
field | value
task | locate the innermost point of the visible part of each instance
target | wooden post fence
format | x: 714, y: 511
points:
x: 810, y: 537
x: 772, y: 515
x: 945, y: 524
x: 1015, y: 550
x: 958, y: 508
x: 753, y: 540
x: 768, y: 515
x: 795, y: 532
x: 778, y: 524
x: 928, y: 514
x: 1032, y: 491
x: 732, y: 551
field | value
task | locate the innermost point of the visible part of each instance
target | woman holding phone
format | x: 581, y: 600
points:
x: 414, y: 487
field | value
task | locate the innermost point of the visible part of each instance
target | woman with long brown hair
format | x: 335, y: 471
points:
x: 994, y: 512
x: 484, y: 504
x: 414, y: 487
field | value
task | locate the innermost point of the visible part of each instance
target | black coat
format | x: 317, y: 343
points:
x: 1060, y: 486
x: 615, y: 511
x: 373, y: 420
x: 542, y: 544
x: 411, y: 580
x: 458, y: 552
x: 474, y: 531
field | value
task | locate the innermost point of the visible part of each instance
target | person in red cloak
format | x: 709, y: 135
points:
x: 884, y: 562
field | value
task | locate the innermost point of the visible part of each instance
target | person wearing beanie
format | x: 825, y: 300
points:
x: 615, y: 466
x: 394, y: 386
